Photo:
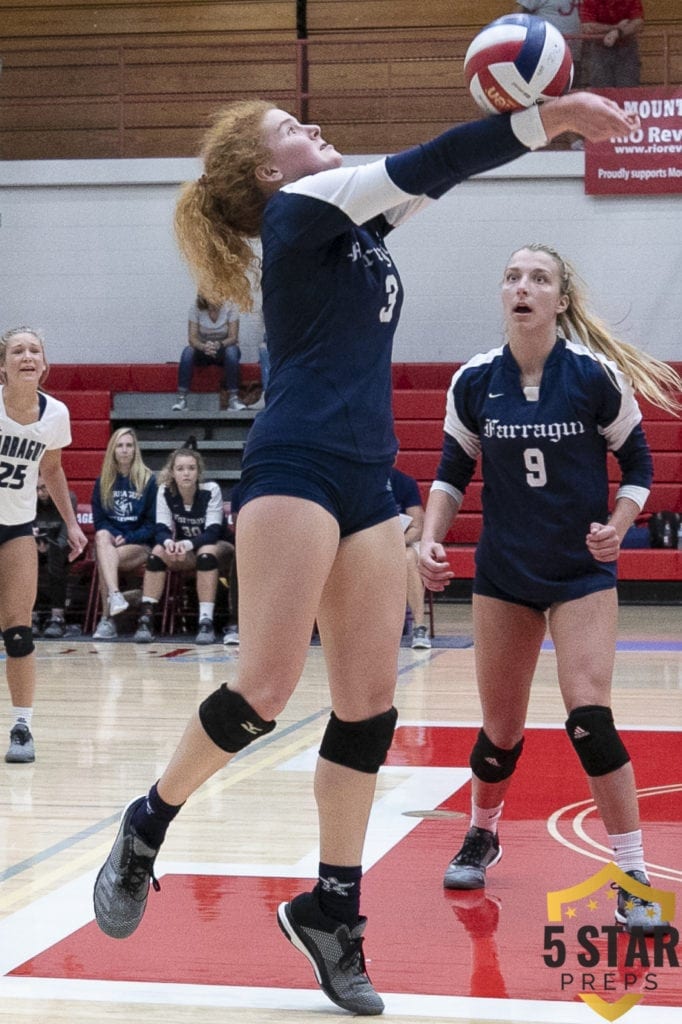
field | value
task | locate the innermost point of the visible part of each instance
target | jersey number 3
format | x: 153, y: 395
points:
x: 386, y: 313
x: 534, y: 462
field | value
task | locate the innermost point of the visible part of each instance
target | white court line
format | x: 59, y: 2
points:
x: 49, y: 919
x: 401, y: 1005
x: 671, y: 874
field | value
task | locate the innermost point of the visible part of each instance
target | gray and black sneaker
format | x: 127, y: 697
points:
x: 122, y: 885
x: 480, y: 850
x: 206, y: 634
x: 636, y: 912
x: 334, y: 950
x: 420, y: 639
x: 143, y: 633
x: 21, y: 749
x: 55, y: 628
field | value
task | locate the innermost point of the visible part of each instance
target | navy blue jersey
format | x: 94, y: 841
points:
x: 332, y: 293
x: 203, y: 523
x: 132, y: 515
x: 544, y: 462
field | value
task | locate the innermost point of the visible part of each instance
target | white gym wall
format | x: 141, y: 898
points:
x: 87, y: 254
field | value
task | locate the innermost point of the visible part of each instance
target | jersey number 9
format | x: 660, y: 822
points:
x: 534, y: 462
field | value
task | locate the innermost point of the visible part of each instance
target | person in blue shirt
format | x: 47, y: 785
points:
x: 315, y: 509
x: 542, y: 412
x: 124, y: 517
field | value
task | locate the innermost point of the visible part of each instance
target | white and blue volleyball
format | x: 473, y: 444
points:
x: 516, y: 61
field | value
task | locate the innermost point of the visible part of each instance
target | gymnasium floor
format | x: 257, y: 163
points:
x: 107, y: 718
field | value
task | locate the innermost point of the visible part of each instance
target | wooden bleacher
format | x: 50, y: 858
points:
x: 114, y: 79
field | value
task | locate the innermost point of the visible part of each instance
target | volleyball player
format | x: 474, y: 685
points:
x: 34, y: 427
x: 543, y: 411
x: 318, y: 537
x: 190, y: 522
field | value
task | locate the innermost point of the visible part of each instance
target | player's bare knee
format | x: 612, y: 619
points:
x: 491, y: 763
x: 230, y: 721
x: 362, y: 745
x: 595, y: 738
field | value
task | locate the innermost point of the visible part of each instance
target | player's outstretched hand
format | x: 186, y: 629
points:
x: 594, y: 117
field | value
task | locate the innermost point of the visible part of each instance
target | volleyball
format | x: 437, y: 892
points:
x: 516, y: 61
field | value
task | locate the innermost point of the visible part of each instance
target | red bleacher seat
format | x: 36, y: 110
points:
x: 419, y: 409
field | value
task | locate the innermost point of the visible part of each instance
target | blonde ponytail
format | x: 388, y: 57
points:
x: 653, y: 379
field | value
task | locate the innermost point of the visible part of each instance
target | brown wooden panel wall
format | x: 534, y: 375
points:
x: 117, y: 78
x: 51, y: 19
x: 371, y: 15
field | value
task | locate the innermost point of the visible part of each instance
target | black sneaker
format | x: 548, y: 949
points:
x: 122, y: 886
x: 636, y: 912
x: 480, y: 850
x: 334, y: 950
x: 21, y: 749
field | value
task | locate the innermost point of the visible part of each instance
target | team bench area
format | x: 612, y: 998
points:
x: 646, y: 574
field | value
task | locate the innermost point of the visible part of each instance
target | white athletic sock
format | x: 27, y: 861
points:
x: 486, y: 817
x: 206, y: 610
x: 628, y: 851
x: 22, y: 715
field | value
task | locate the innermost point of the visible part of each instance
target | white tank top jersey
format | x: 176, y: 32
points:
x: 22, y: 446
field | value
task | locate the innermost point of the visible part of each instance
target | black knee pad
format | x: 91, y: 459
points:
x: 359, y: 745
x: 206, y: 562
x: 596, y: 740
x: 155, y: 564
x: 490, y: 763
x: 18, y: 641
x: 230, y: 721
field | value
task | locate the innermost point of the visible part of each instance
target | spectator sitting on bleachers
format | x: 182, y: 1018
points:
x: 190, y: 521
x: 52, y: 539
x: 213, y: 340
x: 123, y: 513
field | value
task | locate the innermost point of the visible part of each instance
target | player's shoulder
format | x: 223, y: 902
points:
x: 210, y: 487
x: 55, y: 405
x: 591, y: 364
x: 478, y: 366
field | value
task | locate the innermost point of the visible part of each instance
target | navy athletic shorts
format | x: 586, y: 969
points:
x: 356, y: 494
x: 572, y: 591
x: 20, y: 530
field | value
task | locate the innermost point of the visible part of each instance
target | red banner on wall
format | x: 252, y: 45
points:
x: 649, y: 160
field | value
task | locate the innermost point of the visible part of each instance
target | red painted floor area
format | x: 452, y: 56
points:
x: 421, y: 939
